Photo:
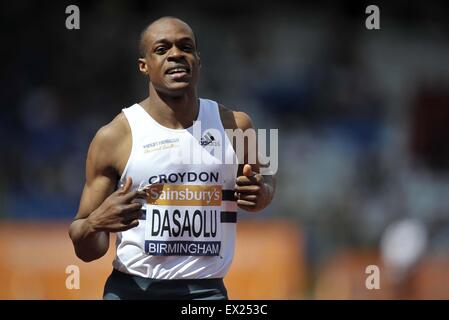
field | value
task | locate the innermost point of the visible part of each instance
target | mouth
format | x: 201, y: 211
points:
x: 177, y: 72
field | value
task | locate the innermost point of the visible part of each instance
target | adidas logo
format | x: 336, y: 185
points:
x: 208, y: 139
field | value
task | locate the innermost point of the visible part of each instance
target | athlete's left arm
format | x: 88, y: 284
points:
x: 253, y: 190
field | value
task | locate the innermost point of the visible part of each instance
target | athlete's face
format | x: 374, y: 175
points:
x: 171, y: 59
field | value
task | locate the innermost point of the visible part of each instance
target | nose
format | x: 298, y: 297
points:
x: 175, y: 53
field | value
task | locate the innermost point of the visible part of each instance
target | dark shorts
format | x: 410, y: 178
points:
x: 123, y: 286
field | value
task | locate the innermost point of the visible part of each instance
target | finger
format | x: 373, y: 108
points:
x: 248, y: 197
x: 131, y: 208
x: 132, y: 217
x: 127, y: 186
x: 131, y: 214
x: 247, y: 170
x: 156, y: 187
x: 129, y: 225
x: 244, y: 180
x: 134, y: 195
x: 244, y: 203
x: 248, y: 189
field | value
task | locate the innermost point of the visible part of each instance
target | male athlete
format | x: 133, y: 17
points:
x: 174, y: 217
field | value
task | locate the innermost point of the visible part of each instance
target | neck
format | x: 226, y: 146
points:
x: 173, y: 112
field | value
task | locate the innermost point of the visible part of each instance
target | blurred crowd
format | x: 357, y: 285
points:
x: 363, y: 115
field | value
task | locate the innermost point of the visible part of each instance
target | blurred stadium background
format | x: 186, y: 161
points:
x: 363, y: 120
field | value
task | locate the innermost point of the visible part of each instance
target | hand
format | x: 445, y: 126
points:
x: 118, y: 212
x: 251, y: 192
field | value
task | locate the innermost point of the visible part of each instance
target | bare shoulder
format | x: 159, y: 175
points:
x: 234, y: 119
x: 111, y: 133
x: 109, y: 143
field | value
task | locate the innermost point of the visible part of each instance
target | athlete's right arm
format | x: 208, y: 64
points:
x: 103, y: 210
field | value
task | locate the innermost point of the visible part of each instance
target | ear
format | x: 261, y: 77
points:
x: 143, y: 66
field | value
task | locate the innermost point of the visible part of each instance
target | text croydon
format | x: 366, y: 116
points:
x: 180, y: 177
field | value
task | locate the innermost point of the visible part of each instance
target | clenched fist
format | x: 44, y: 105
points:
x: 251, y: 192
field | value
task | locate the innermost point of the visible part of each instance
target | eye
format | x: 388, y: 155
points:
x: 160, y: 50
x: 187, y: 48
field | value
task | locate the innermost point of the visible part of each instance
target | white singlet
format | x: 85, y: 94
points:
x: 188, y: 229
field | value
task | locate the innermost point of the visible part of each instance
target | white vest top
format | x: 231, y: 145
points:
x: 189, y: 226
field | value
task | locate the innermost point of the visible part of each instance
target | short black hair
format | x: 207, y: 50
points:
x: 142, y: 45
